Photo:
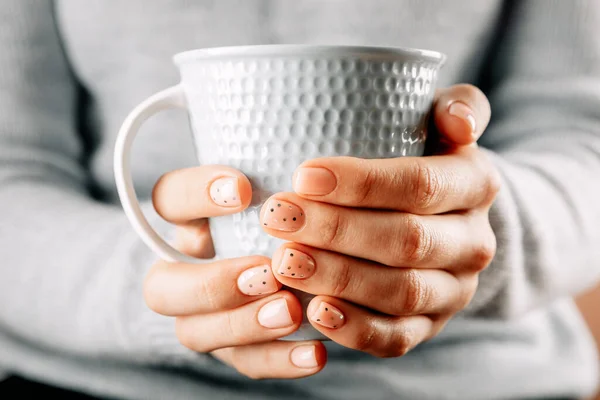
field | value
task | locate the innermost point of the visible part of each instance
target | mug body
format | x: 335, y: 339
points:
x: 266, y: 109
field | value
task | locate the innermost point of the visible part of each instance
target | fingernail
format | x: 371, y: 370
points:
x: 225, y: 193
x: 282, y: 216
x: 328, y: 316
x: 304, y: 357
x: 257, y: 280
x: 296, y: 264
x: 314, y: 181
x: 461, y: 110
x: 275, y: 314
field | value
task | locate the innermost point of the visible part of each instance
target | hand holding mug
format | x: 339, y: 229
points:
x: 233, y: 308
x: 391, y: 247
x: 263, y: 110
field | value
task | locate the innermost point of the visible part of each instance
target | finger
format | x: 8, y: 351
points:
x: 194, y: 239
x: 277, y: 360
x: 394, y: 291
x: 206, y: 191
x: 360, y: 329
x: 461, y: 113
x: 261, y: 321
x: 420, y: 185
x: 390, y: 238
x: 183, y: 289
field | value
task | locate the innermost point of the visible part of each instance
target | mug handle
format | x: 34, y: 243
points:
x: 172, y: 97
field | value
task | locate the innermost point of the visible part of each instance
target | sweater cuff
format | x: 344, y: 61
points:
x: 152, y: 336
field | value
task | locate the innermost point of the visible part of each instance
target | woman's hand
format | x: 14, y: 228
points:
x: 233, y: 308
x: 392, y: 247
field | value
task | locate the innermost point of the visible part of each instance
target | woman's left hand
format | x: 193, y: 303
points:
x: 391, y: 247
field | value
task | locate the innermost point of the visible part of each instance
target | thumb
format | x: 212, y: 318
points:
x: 461, y: 113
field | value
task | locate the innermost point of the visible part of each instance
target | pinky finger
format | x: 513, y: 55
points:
x: 367, y: 331
x: 279, y: 359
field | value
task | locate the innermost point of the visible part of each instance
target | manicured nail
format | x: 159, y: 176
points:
x: 296, y: 264
x: 225, y: 193
x: 314, y: 181
x: 328, y: 316
x: 461, y: 110
x: 257, y: 281
x: 275, y: 314
x: 282, y: 216
x: 304, y: 357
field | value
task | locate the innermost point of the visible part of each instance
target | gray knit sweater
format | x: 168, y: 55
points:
x: 71, y: 269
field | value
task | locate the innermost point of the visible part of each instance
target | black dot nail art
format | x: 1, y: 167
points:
x: 285, y: 219
x: 294, y: 218
x: 265, y: 271
x: 264, y: 283
x: 278, y: 205
x: 272, y: 209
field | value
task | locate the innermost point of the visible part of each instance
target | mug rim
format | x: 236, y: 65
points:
x: 287, y: 50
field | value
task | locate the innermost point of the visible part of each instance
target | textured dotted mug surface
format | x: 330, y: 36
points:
x: 266, y: 110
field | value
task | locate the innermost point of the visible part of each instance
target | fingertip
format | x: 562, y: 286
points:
x: 320, y: 354
x: 309, y: 356
x: 456, y: 122
x: 294, y: 306
x: 245, y: 189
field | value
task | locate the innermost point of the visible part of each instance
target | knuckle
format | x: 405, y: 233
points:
x: 206, y: 292
x: 232, y: 329
x: 153, y: 295
x: 493, y: 185
x: 415, y: 293
x: 187, y: 335
x: 366, y: 337
x: 342, y: 280
x: 417, y: 244
x: 332, y: 229
x: 468, y: 292
x: 485, y: 251
x: 404, y: 341
x: 365, y: 186
x: 428, y: 186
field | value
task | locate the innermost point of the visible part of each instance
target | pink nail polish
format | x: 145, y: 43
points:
x: 257, y: 281
x: 314, y: 181
x: 282, y: 216
x: 304, y: 357
x: 461, y: 110
x: 296, y: 264
x: 275, y: 314
x: 224, y: 192
x: 328, y: 316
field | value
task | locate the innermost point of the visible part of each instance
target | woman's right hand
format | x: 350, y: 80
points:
x: 233, y: 309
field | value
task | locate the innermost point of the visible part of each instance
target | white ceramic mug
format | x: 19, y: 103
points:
x: 266, y: 109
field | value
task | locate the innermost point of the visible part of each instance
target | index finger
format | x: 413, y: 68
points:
x: 418, y: 185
